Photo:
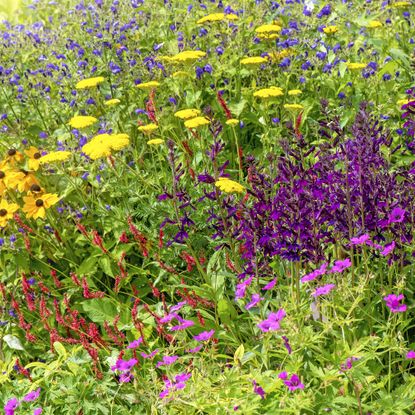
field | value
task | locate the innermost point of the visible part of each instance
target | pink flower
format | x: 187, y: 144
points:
x: 410, y: 355
x: 183, y: 326
x: 361, y: 240
x: 393, y: 302
x: 397, y: 215
x: 348, y: 364
x: 37, y: 411
x: 315, y: 274
x: 124, y: 365
x: 270, y: 285
x: 255, y: 299
x: 11, y: 406
x: 388, y: 249
x: 167, y: 361
x: 340, y: 266
x: 150, y: 355
x: 273, y: 321
x: 292, y: 383
x: 204, y: 336
x: 325, y: 289
x: 195, y: 349
x: 134, y: 344
x: 31, y: 396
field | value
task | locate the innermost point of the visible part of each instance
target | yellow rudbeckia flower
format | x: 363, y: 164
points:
x: 35, y: 207
x: 7, y: 211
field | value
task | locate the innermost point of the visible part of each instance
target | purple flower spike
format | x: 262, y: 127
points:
x: 258, y: 390
x: 393, y: 303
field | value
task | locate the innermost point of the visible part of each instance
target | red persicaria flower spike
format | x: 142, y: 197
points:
x: 57, y: 236
x: 82, y: 229
x: 27, y: 244
x: 54, y: 276
x: 75, y: 279
x: 97, y: 240
x: 124, y: 238
x: 223, y: 105
x: 22, y: 224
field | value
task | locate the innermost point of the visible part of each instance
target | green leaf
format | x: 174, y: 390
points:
x: 88, y: 265
x: 13, y: 342
x: 239, y: 352
x: 60, y: 350
x: 100, y: 310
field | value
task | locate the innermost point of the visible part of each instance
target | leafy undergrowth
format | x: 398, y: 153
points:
x: 207, y: 208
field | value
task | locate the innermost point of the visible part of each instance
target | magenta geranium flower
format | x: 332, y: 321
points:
x: 31, y: 396
x: 183, y: 325
x: 361, y: 240
x: 270, y: 285
x: 124, y: 365
x: 393, y: 302
x: 273, y: 321
x: 204, y: 336
x: 315, y: 274
x: 340, y: 266
x: 292, y: 383
x: 388, y: 249
x: 167, y: 360
x: 11, y: 406
x: 255, y: 299
x: 397, y: 215
x: 410, y: 354
x: 134, y: 344
x: 325, y: 289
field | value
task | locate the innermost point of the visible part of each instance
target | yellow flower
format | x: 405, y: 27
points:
x: 268, y: 31
x: 34, y: 156
x: 293, y: 106
x: 196, y: 122
x: 13, y: 156
x: 186, y: 56
x: 328, y: 30
x: 149, y: 128
x: 217, y: 17
x: 229, y: 186
x: 82, y: 121
x: 35, y: 207
x: 374, y: 24
x: 180, y: 74
x: 403, y: 101
x: 277, y: 56
x: 27, y: 181
x: 232, y: 121
x: 273, y: 91
x: 295, y: 92
x: 148, y: 85
x: 253, y: 60
x: 155, y: 142
x: 6, y: 211
x: 112, y: 102
x: 401, y: 4
x: 355, y: 66
x: 55, y: 156
x: 186, y: 114
x: 9, y: 178
x: 90, y: 82
x: 103, y: 144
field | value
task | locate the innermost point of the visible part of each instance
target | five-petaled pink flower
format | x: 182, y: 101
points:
x: 393, y: 302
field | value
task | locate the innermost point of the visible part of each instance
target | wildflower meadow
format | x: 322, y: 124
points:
x: 207, y: 207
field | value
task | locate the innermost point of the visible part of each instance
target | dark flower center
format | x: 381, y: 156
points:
x: 2, y: 174
x: 3, y: 212
x: 35, y: 188
x: 39, y: 202
x: 37, y: 156
x: 11, y: 152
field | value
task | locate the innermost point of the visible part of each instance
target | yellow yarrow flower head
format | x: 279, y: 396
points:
x: 374, y: 24
x: 82, y: 121
x: 181, y: 74
x: 356, y: 66
x: 196, y: 122
x: 268, y: 31
x: 272, y: 92
x: 295, y: 107
x: 253, y: 60
x: 149, y: 128
x: 148, y: 85
x: 187, y: 113
x: 401, y: 4
x: 232, y: 121
x: 403, y: 101
x: 155, y: 142
x: 102, y: 145
x: 55, y: 156
x: 229, y: 186
x: 294, y: 92
x: 277, y: 56
x: 186, y: 56
x: 35, y: 206
x: 217, y: 17
x: 34, y: 156
x: 7, y: 211
x: 328, y: 30
x: 111, y: 102
x: 90, y: 82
